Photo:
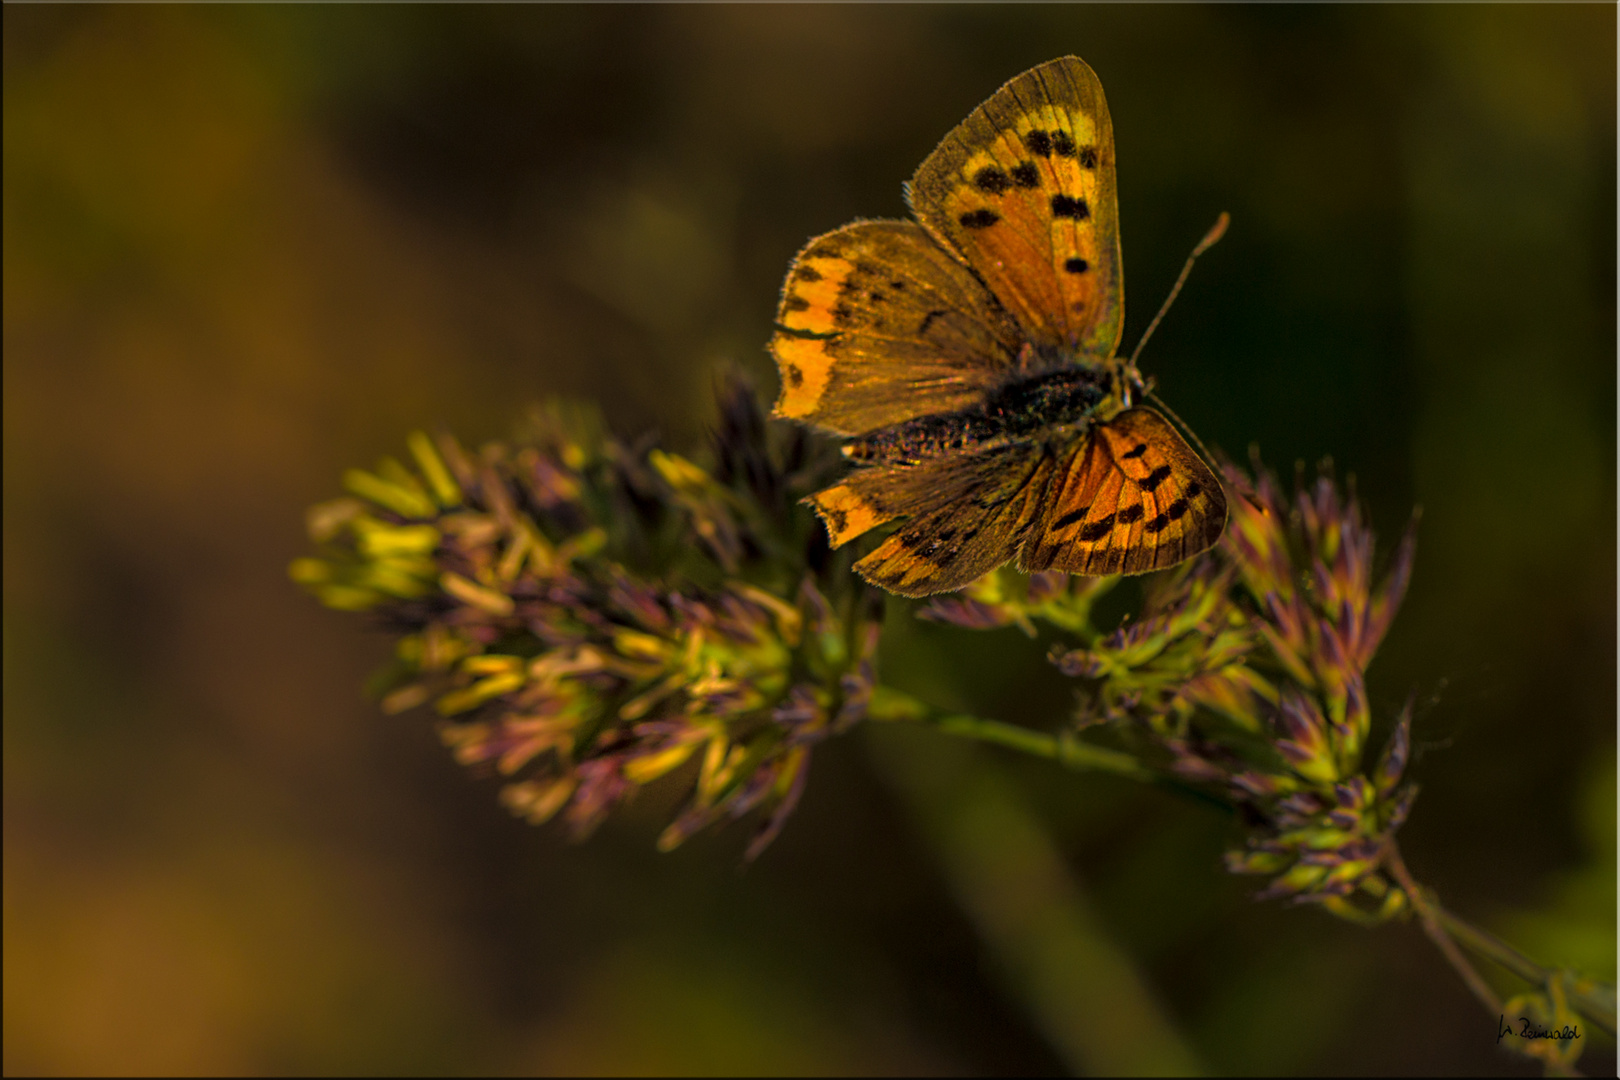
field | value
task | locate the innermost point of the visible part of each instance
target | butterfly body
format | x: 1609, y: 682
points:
x: 969, y: 359
x: 1035, y: 407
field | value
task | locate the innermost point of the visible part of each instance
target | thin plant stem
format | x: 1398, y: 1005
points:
x: 1065, y: 748
x: 1428, y: 915
x: 1492, y: 947
x: 1067, y: 751
x: 1442, y: 927
x: 887, y: 703
x: 1589, y: 1001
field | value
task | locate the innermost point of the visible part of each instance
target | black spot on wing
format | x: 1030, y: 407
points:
x: 1062, y: 144
x: 807, y: 273
x: 1136, y: 451
x: 1177, y: 510
x: 1039, y: 142
x: 795, y: 303
x: 1193, y: 489
x: 1026, y: 175
x: 1088, y: 157
x: 1070, y: 518
x: 1153, y: 479
x: 991, y: 180
x: 835, y: 517
x: 1158, y: 524
x: 1098, y: 529
x: 830, y: 336
x: 1130, y: 514
x: 1076, y: 266
x: 1064, y: 206
x: 794, y: 376
x: 979, y: 219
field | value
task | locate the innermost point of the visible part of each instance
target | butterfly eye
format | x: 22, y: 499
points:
x: 1125, y: 381
x: 1134, y: 381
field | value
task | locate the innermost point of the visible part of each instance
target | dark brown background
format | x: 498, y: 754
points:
x: 247, y: 248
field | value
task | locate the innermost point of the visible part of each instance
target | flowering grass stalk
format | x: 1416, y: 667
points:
x: 733, y: 646
x: 586, y: 617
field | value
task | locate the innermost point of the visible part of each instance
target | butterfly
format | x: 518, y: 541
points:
x: 968, y: 357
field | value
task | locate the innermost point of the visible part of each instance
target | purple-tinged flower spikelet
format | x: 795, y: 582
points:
x: 1245, y: 672
x: 587, y: 618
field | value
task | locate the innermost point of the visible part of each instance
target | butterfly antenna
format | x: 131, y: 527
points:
x: 1216, y: 231
x: 1209, y: 459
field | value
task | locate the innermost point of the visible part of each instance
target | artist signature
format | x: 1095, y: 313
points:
x: 1531, y: 1030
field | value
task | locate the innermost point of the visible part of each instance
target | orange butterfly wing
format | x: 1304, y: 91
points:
x: 1131, y: 498
x: 879, y: 324
x: 969, y: 514
x: 1024, y: 190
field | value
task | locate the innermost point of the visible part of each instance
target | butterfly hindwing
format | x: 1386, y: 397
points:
x: 1131, y: 497
x: 1024, y: 190
x: 879, y: 324
x: 968, y: 514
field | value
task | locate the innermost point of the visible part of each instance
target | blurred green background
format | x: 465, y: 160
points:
x: 247, y: 248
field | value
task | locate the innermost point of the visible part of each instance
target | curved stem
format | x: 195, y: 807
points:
x: 1427, y: 912
x: 890, y: 704
x: 1590, y: 1001
x: 1595, y: 1001
x: 1065, y: 748
x: 1068, y: 751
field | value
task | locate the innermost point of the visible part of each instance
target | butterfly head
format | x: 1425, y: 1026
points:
x: 1129, y: 385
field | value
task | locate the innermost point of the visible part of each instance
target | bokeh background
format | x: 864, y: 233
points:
x: 246, y: 248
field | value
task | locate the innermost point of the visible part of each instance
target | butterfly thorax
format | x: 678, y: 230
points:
x: 1023, y: 409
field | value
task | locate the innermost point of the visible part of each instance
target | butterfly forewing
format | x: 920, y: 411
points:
x: 879, y: 324
x: 1131, y: 497
x: 1024, y: 190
